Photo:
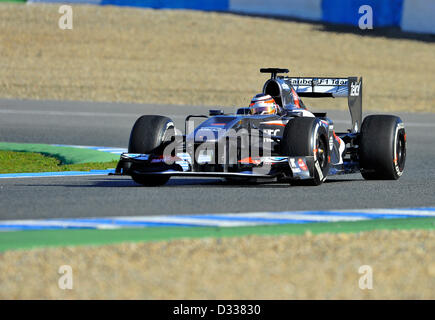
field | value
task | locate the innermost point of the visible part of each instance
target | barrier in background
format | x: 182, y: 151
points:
x: 95, y: 2
x: 303, y: 9
x: 216, y: 5
x: 410, y: 15
x: 385, y: 12
x: 418, y: 16
x: 207, y: 5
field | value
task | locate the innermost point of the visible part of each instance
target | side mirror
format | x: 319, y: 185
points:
x: 214, y: 112
x: 244, y: 111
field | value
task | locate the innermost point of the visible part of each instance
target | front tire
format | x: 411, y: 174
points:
x: 150, y: 134
x: 382, y: 147
x: 306, y: 137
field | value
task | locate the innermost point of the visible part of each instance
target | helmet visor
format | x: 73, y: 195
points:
x: 262, y: 109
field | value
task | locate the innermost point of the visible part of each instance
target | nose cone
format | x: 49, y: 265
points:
x: 212, y: 129
x: 209, y: 134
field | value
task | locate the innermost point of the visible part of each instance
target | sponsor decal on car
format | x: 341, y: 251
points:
x: 264, y: 160
x: 136, y: 156
x: 250, y: 160
x: 281, y: 123
x: 302, y: 165
x: 295, y: 98
x: 355, y: 88
x: 295, y: 168
x: 165, y: 159
x: 271, y: 132
x: 205, y: 156
x: 271, y: 160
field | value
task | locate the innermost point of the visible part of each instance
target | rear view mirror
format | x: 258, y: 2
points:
x: 244, y: 111
x: 214, y: 112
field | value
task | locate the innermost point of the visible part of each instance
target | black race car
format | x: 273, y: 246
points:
x: 292, y: 145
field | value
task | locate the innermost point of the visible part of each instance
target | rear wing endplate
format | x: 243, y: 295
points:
x: 350, y: 87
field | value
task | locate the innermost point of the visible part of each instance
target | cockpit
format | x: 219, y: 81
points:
x: 282, y: 92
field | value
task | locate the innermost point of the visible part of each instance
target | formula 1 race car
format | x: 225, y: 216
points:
x: 279, y: 141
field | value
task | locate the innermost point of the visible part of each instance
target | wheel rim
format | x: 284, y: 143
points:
x: 401, y: 150
x: 321, y: 152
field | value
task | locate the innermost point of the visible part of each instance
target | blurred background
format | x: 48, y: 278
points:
x: 209, y: 52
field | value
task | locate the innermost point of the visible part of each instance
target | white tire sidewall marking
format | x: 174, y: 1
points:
x: 316, y: 161
x: 399, y: 126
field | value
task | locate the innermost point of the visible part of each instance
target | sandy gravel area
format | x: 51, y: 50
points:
x: 187, y: 57
x: 255, y: 267
x: 192, y: 57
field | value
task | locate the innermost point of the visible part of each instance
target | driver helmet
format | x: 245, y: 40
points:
x: 263, y: 104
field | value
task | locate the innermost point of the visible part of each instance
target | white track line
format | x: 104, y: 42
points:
x: 404, y: 212
x: 295, y: 216
x: 190, y: 221
x: 216, y: 220
x: 53, y: 174
x: 55, y: 223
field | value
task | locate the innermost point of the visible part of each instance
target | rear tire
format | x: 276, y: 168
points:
x: 382, y: 149
x: 149, y: 135
x: 306, y: 137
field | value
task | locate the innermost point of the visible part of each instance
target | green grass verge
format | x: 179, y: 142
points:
x: 54, y: 238
x: 66, y: 155
x: 15, y: 162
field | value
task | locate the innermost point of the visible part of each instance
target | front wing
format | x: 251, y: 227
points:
x: 295, y: 168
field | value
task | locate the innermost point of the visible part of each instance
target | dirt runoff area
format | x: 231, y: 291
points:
x: 187, y: 57
x: 322, y: 266
x: 199, y: 58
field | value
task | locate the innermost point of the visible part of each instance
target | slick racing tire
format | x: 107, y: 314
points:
x: 382, y: 149
x: 306, y: 137
x: 150, y: 134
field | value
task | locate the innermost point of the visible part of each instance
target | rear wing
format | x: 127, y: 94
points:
x: 350, y: 88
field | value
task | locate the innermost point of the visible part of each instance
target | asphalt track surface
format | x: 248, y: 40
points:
x: 109, y: 124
